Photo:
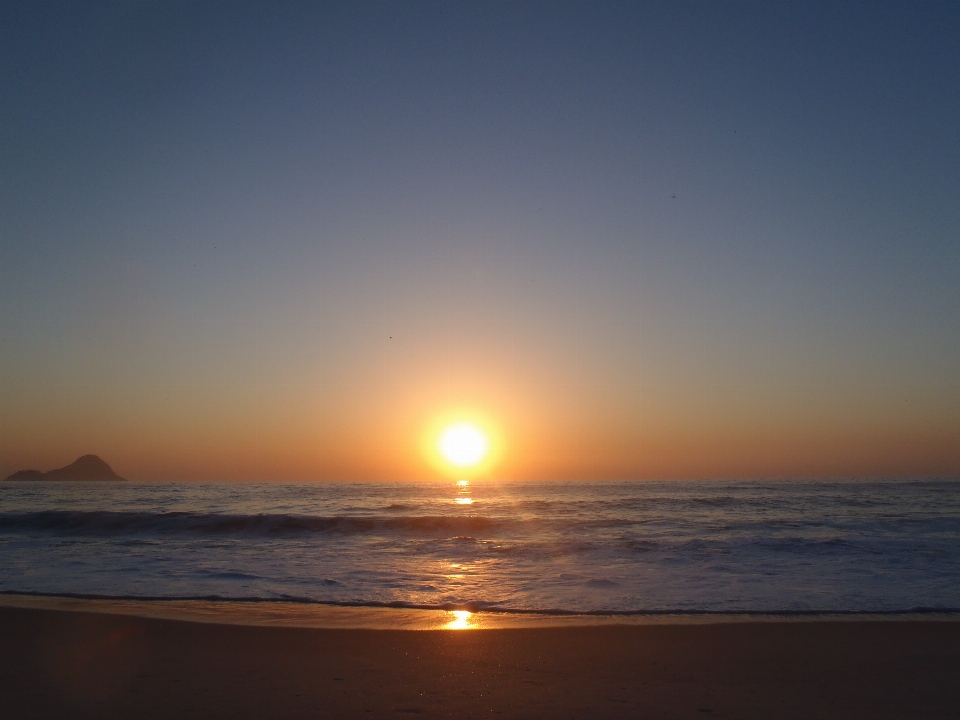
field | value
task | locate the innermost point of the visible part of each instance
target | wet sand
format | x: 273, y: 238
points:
x: 56, y: 663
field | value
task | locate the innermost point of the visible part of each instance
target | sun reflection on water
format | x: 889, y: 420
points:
x: 462, y: 620
x: 463, y: 491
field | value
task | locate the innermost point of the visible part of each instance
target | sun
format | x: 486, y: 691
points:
x: 463, y: 445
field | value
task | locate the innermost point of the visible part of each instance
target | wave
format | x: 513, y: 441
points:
x: 496, y: 535
x: 104, y: 523
x: 494, y: 607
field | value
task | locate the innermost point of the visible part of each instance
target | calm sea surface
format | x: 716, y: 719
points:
x: 889, y: 545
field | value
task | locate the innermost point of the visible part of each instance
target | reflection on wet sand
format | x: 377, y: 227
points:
x: 462, y: 620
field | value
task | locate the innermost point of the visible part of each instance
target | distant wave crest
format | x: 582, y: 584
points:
x: 118, y: 523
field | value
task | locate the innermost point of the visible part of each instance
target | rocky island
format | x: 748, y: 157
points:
x: 88, y: 467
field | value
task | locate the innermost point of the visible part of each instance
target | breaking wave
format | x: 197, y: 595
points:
x: 102, y: 523
x: 617, y: 547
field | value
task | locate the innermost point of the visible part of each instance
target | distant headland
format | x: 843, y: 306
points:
x: 88, y: 467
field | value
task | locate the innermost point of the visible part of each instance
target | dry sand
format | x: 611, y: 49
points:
x: 70, y: 664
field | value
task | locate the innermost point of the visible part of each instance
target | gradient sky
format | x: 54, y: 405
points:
x: 285, y: 241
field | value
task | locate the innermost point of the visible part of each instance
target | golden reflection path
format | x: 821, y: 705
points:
x: 460, y: 619
x: 463, y: 493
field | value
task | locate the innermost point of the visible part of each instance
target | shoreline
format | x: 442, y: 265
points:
x: 320, y: 615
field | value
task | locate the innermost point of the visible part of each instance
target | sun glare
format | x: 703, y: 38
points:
x: 463, y: 445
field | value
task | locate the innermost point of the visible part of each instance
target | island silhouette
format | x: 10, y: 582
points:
x: 87, y: 467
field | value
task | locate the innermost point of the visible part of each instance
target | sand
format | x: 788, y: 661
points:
x: 56, y: 663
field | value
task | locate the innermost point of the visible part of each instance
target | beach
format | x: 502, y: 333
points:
x: 479, y: 360
x: 75, y: 663
x: 621, y: 599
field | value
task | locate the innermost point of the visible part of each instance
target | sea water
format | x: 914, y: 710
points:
x: 704, y: 546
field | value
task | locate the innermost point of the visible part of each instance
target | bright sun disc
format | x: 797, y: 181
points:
x: 463, y: 445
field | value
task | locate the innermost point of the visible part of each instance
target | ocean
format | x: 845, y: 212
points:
x: 796, y: 546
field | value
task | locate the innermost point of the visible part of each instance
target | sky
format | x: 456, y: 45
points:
x: 288, y: 241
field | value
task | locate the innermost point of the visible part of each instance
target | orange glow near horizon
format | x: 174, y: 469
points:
x: 530, y: 438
